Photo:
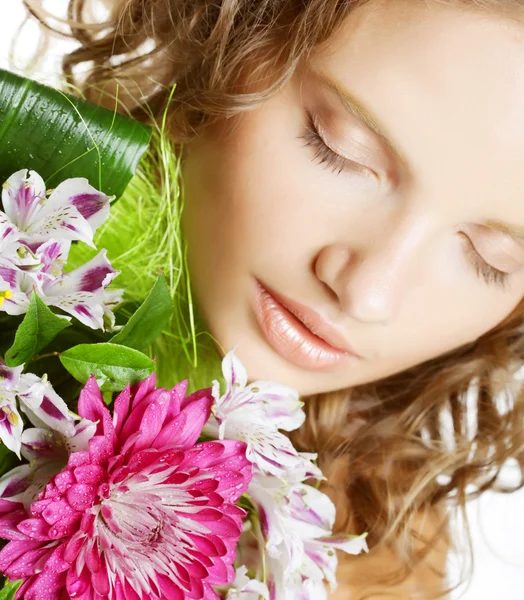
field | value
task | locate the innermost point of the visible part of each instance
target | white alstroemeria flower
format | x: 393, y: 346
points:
x: 73, y: 211
x: 51, y: 258
x: 296, y: 521
x: 253, y: 414
x: 11, y: 424
x: 43, y: 406
x: 245, y: 588
x: 17, y: 287
x: 82, y: 292
x: 35, y: 397
x: 8, y: 233
x: 5, y: 292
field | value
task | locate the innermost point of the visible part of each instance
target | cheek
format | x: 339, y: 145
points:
x: 444, y: 319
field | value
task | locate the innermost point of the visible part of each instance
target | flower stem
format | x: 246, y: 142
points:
x: 40, y: 356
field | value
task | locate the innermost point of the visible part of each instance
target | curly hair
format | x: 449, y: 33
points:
x: 421, y: 442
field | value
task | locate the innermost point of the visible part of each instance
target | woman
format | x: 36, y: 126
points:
x: 355, y: 223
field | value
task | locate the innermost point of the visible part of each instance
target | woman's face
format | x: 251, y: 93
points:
x: 370, y: 207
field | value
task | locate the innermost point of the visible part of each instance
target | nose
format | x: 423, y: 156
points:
x: 371, y: 281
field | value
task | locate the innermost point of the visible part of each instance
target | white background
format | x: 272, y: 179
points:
x: 497, y: 521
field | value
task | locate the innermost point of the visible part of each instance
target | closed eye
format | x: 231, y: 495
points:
x: 484, y: 270
x: 326, y: 156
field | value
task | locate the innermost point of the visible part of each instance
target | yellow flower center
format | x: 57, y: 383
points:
x: 5, y: 295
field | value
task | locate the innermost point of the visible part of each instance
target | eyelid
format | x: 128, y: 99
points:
x: 488, y: 241
x: 490, y: 274
x: 324, y: 137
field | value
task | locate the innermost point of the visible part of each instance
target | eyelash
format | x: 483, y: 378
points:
x: 483, y: 269
x: 325, y: 155
x: 337, y: 164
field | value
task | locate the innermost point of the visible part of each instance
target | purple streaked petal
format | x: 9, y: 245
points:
x: 91, y: 277
x: 52, y: 257
x: 11, y: 424
x: 65, y: 223
x: 23, y: 196
x: 15, y: 482
x: 41, y: 401
x: 9, y: 377
x: 91, y: 204
x: 85, y: 307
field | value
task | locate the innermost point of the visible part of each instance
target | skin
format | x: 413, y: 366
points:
x: 384, y: 252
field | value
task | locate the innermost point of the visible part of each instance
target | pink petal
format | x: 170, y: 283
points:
x: 152, y: 420
x: 100, y: 449
x: 143, y: 389
x: 36, y: 529
x: 77, y: 585
x: 13, y: 550
x: 170, y: 590
x: 8, y: 525
x: 81, y: 496
x: 177, y: 394
x: 121, y: 409
x: 92, y: 556
x: 56, y: 562
x: 196, y: 414
x: 24, y: 566
x: 45, y: 587
x: 91, y: 406
x: 133, y: 422
x: 100, y: 581
x: 92, y: 474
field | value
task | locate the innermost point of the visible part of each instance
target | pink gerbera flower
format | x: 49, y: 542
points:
x: 144, y: 514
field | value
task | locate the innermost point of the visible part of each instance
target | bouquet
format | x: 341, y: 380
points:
x: 111, y: 486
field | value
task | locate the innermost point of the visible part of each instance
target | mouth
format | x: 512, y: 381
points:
x: 299, y: 334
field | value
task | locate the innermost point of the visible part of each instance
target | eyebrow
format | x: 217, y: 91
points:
x: 355, y: 107
x: 515, y: 231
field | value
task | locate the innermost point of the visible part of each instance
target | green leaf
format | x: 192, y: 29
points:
x: 114, y: 366
x: 39, y: 327
x: 149, y: 320
x: 9, y: 590
x: 61, y: 136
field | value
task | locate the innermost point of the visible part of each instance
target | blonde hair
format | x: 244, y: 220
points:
x: 394, y: 449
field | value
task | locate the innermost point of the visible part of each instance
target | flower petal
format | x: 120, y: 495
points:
x: 40, y: 400
x: 11, y: 425
x: 22, y: 197
x: 90, y: 203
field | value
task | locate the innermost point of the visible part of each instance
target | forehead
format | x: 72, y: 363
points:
x: 447, y: 84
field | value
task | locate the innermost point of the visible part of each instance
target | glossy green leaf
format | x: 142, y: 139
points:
x: 9, y: 590
x: 113, y: 365
x: 149, y: 320
x: 61, y: 136
x: 39, y: 327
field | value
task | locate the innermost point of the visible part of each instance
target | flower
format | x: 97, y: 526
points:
x: 144, y: 513
x: 11, y: 424
x: 296, y: 522
x: 82, y: 292
x: 73, y: 211
x: 254, y: 413
x: 36, y: 398
x: 245, y: 588
x: 35, y: 238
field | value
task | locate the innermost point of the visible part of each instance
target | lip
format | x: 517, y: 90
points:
x: 298, y: 333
